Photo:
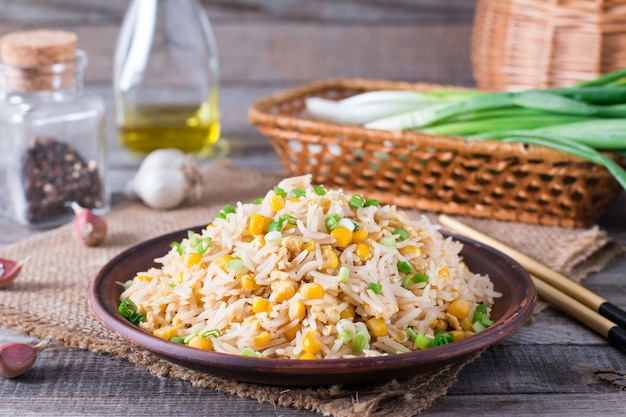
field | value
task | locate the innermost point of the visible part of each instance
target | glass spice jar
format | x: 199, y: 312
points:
x: 51, y: 131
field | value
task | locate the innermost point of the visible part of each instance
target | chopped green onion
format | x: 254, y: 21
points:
x: 273, y: 238
x: 356, y: 201
x: 347, y: 223
x: 178, y: 247
x: 389, y: 242
x: 404, y: 267
x: 409, y: 278
x: 227, y: 209
x: 258, y: 200
x: 360, y: 342
x: 345, y: 330
x: 402, y: 233
x: 279, y: 191
x: 343, y: 273
x: 235, y: 265
x: 274, y: 226
x: 251, y: 353
x: 481, y: 315
x: 187, y: 339
x: 211, y: 333
x: 478, y: 327
x: 442, y: 338
x: 319, y: 190
x: 376, y: 288
x: 204, y: 245
x: 193, y: 238
x: 422, y: 341
x: 371, y: 202
x: 332, y: 222
x: 298, y: 192
x: 128, y: 309
x: 178, y: 340
x: 411, y: 333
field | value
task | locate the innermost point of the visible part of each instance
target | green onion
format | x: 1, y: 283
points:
x: 203, y: 245
x: 319, y: 190
x: 411, y: 333
x: 347, y: 224
x: 193, y: 238
x: 422, y: 341
x: 414, y: 278
x: 298, y: 192
x: 235, y: 265
x: 187, y: 339
x: 343, y: 274
x: 374, y: 287
x: 251, y: 353
x: 257, y: 201
x: 404, y: 267
x: 227, y: 209
x: 389, y: 242
x: 478, y: 326
x: 356, y: 201
x: 128, y: 309
x: 211, y: 333
x: 178, y: 340
x: 274, y: 226
x: 273, y: 238
x: 360, y: 342
x: 481, y: 316
x: 401, y: 233
x: 345, y: 330
x: 442, y: 338
x: 332, y: 222
x: 370, y: 202
x: 178, y: 247
x: 279, y: 191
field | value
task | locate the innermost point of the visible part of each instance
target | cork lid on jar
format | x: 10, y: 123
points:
x: 38, y: 47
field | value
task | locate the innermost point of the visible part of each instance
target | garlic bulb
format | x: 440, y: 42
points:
x: 166, y: 179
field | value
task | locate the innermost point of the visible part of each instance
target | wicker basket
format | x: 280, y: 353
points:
x: 432, y: 173
x: 521, y: 44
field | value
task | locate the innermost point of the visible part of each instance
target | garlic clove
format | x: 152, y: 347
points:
x: 17, y: 358
x: 90, y: 228
x: 8, y: 271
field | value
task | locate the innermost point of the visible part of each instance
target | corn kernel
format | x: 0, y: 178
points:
x: 459, y: 335
x: 311, y: 342
x: 331, y: 261
x: 297, y: 311
x: 277, y: 203
x: 142, y: 278
x: 306, y: 356
x: 258, y: 224
x: 200, y: 342
x: 348, y: 312
x: 444, y: 273
x: 309, y: 246
x: 410, y: 251
x: 294, y: 199
x: 343, y: 236
x: 248, y: 282
x: 191, y: 259
x: 166, y: 332
x: 293, y: 244
x: 459, y: 308
x: 260, y: 304
x: 312, y: 291
x: 359, y: 236
x: 363, y: 252
x: 325, y: 204
x: 466, y: 323
x: 290, y: 333
x: 283, y: 290
x: 377, y: 327
x: 261, y: 339
x: 441, y: 326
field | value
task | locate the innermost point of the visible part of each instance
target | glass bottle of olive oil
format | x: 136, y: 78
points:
x: 166, y: 78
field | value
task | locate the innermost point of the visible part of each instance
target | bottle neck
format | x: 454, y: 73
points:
x: 57, y: 77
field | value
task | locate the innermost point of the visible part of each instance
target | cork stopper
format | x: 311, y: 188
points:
x: 38, y: 47
x: 38, y: 60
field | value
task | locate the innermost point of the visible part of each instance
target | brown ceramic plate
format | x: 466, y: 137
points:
x: 510, y: 312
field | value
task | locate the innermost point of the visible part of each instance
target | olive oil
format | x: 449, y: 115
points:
x: 190, y: 128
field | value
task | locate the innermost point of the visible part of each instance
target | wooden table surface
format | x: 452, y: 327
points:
x: 552, y: 367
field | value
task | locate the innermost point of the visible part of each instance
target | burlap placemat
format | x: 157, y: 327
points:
x: 50, y: 295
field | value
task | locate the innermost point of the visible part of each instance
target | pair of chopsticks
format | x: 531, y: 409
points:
x: 573, y: 299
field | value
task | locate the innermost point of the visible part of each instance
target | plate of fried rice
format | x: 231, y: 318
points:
x: 312, y: 286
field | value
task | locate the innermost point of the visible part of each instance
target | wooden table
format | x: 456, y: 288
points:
x: 553, y: 366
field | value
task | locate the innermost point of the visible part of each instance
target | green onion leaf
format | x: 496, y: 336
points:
x: 370, y: 202
x: 279, y: 191
x: 414, y: 278
x: 178, y: 340
x: 442, y: 338
x: 178, y: 247
x: 298, y: 192
x: 411, y: 333
x: 389, y: 242
x: 376, y: 288
x: 402, y: 233
x: 187, y: 339
x: 204, y: 245
x: 235, y: 265
x: 422, y: 341
x: 251, y: 353
x: 273, y: 238
x: 193, y: 238
x: 257, y: 201
x: 319, y: 190
x: 128, y: 309
x: 332, y: 222
x: 212, y: 333
x: 343, y: 273
x: 274, y: 226
x: 356, y: 201
x: 404, y: 267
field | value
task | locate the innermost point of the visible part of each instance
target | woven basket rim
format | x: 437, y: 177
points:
x: 259, y: 114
